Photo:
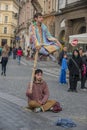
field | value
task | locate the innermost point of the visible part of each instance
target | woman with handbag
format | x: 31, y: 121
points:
x: 74, y: 65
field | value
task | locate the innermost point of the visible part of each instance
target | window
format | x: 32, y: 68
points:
x: 82, y: 30
x: 3, y: 42
x: 5, y: 30
x: 6, y: 19
x: 6, y: 7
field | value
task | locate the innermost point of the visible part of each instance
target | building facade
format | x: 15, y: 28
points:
x: 49, y: 8
x: 26, y: 13
x: 8, y: 21
x: 71, y: 19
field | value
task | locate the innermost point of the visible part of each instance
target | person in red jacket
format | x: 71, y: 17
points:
x: 19, y: 54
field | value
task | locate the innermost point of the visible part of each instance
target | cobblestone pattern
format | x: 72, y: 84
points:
x: 14, y: 85
x: 13, y: 117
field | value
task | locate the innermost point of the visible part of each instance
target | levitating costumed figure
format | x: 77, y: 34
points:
x: 41, y: 38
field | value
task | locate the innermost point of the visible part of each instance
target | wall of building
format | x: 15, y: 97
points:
x: 70, y: 23
x: 48, y: 6
x: 25, y: 17
x: 64, y: 3
x: 72, y: 1
x: 49, y: 21
x: 11, y: 22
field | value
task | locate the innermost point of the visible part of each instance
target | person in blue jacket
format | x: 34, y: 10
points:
x: 64, y: 67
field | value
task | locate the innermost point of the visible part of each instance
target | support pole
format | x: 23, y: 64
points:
x: 33, y: 71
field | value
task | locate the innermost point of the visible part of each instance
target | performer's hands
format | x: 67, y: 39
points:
x: 40, y: 102
x: 29, y: 91
x: 38, y: 47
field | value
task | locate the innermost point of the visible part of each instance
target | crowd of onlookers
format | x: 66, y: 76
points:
x: 76, y: 65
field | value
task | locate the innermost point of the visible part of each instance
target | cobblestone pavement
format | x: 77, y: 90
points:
x: 14, y: 116
x: 48, y: 67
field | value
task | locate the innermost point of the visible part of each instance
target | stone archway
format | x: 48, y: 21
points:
x: 82, y: 30
x: 79, y: 28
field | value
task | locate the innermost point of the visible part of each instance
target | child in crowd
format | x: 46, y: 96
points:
x: 64, y: 67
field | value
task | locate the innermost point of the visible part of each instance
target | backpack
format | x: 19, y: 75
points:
x: 84, y: 69
x: 57, y: 107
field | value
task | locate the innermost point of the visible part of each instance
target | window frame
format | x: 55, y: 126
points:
x: 6, y: 7
x: 5, y: 31
x: 6, y: 20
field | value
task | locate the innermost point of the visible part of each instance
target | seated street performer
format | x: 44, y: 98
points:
x: 40, y: 38
x: 38, y: 99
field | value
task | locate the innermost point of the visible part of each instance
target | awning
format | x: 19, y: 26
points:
x: 82, y: 38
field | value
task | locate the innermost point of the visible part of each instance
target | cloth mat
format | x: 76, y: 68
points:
x: 66, y: 123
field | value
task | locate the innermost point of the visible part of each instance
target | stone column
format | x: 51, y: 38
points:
x: 68, y: 29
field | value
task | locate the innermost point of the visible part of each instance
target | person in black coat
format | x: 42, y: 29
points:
x: 74, y: 66
x: 14, y: 52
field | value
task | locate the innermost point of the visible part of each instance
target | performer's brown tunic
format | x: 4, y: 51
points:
x: 40, y: 92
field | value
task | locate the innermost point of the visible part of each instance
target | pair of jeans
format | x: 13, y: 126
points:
x: 4, y: 63
x: 19, y: 59
x: 63, y: 76
x: 14, y: 56
x: 83, y: 80
x: 73, y: 82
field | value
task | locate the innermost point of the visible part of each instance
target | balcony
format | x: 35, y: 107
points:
x: 74, y: 6
x: 15, y: 15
